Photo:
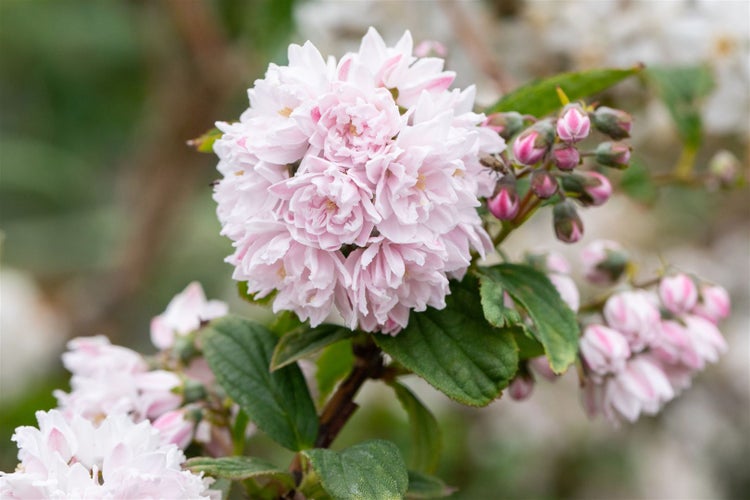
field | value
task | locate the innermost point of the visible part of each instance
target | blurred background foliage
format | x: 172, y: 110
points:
x: 105, y: 212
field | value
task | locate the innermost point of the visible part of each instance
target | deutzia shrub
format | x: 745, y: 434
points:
x: 368, y: 203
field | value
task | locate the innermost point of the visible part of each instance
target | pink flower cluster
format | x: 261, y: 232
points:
x: 354, y: 184
x: 116, y: 458
x: 651, y: 346
x: 114, y: 380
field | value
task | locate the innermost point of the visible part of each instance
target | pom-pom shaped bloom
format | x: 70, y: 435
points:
x: 75, y: 458
x: 353, y: 185
x: 184, y: 314
x: 109, y: 379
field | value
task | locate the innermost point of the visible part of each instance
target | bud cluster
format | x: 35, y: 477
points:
x: 549, y: 151
x: 641, y: 346
x: 650, y: 344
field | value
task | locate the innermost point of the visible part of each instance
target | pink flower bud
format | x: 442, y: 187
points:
x: 504, y: 205
x: 672, y: 345
x: 604, y: 350
x: 612, y: 122
x: 567, y: 289
x: 533, y: 143
x: 175, y: 428
x: 574, y: 124
x: 568, y: 225
x: 521, y: 387
x: 597, y: 188
x: 543, y: 184
x: 678, y: 293
x: 566, y: 157
x: 705, y: 339
x: 548, y: 262
x: 540, y: 364
x: 635, y: 315
x: 604, y: 262
x: 714, y: 304
x: 613, y: 154
x: 505, y: 124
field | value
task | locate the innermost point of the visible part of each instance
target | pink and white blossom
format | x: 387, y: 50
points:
x: 337, y: 165
x: 574, y: 124
x: 175, y: 427
x: 714, y: 304
x: 117, y: 458
x: 634, y: 314
x: 109, y: 379
x: 678, y: 293
x: 604, y: 350
x: 641, y: 387
x: 184, y: 314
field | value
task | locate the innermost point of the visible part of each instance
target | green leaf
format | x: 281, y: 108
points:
x: 426, y: 440
x: 493, y: 304
x: 205, y: 143
x: 238, y: 468
x: 636, y: 182
x: 528, y: 347
x: 423, y: 486
x: 239, y: 353
x: 302, y: 342
x: 556, y: 325
x: 455, y: 349
x: 333, y: 365
x: 286, y: 321
x: 371, y: 470
x: 540, y: 97
x: 682, y: 89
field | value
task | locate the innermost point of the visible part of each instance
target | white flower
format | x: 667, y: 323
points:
x: 117, y: 459
x: 184, y: 314
x: 109, y: 379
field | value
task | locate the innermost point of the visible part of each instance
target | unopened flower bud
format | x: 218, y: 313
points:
x: 568, y: 225
x: 635, y: 314
x: 597, y: 189
x: 589, y: 188
x: 678, y: 293
x: 724, y: 169
x: 543, y: 184
x: 613, y: 154
x: 714, y: 304
x: 574, y: 124
x: 566, y: 157
x: 506, y: 124
x: 521, y: 386
x: 533, y: 143
x: 175, y: 428
x: 603, y: 349
x: 613, y: 122
x: 604, y: 262
x: 567, y: 289
x: 504, y: 205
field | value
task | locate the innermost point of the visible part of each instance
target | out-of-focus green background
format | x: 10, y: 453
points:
x: 106, y: 213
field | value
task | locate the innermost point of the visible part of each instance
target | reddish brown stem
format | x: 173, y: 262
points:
x: 368, y: 364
